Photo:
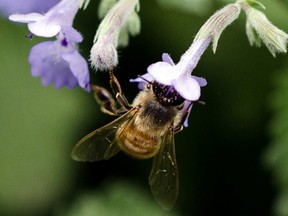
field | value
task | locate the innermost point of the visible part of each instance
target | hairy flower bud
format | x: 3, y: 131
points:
x: 258, y: 28
x: 103, y: 54
x: 215, y: 25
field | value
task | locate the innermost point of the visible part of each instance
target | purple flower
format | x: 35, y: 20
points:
x: 59, y: 62
x: 50, y: 23
x: 165, y: 72
x: 179, y: 75
x: 8, y: 7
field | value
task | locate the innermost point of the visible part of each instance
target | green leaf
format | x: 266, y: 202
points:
x: 254, y: 3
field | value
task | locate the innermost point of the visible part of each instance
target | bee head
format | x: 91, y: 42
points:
x: 167, y: 95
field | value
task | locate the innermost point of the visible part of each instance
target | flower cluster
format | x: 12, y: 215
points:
x: 59, y: 62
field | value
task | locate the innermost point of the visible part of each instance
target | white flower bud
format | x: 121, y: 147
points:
x: 103, y: 54
x: 259, y: 27
x: 215, y: 25
x: 252, y: 35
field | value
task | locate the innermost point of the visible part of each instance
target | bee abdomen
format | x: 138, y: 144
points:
x: 139, y: 144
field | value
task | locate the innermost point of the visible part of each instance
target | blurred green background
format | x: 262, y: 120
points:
x: 232, y: 159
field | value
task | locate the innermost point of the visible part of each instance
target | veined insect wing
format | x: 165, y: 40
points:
x: 101, y: 143
x: 163, y: 178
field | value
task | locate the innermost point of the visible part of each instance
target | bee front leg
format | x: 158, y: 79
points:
x: 116, y: 88
x: 186, y: 112
x: 178, y: 128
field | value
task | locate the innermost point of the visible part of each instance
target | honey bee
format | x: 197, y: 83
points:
x: 144, y: 129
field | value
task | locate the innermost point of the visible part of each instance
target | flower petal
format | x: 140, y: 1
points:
x: 163, y: 72
x: 71, y: 34
x: 37, y: 57
x: 46, y: 62
x: 186, y: 104
x: 44, y: 29
x: 26, y: 18
x: 187, y: 87
x: 78, y: 67
x: 201, y: 81
x: 166, y: 58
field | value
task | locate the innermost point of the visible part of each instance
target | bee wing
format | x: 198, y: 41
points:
x: 163, y: 178
x: 101, y: 143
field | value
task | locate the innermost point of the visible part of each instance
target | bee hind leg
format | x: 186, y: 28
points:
x: 106, y: 101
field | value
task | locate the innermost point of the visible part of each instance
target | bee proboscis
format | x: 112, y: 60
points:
x: 144, y: 129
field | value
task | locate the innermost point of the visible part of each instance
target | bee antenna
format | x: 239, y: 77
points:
x: 141, y: 77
